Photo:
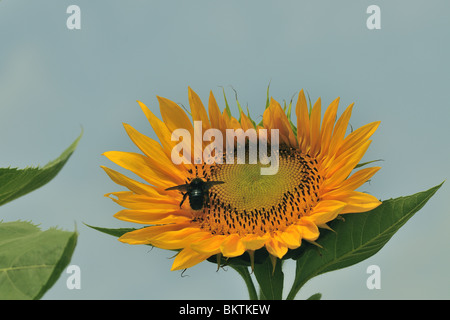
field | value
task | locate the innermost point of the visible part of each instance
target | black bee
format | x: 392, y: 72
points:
x: 197, y: 190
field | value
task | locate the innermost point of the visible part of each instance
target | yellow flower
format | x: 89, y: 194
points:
x: 314, y: 183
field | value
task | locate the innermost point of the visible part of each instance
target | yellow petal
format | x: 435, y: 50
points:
x: 359, y: 178
x: 157, y: 216
x: 139, y: 165
x: 360, y: 202
x: 156, y: 155
x: 178, y: 239
x: 276, y: 247
x: 340, y: 129
x: 232, y: 246
x: 325, y: 211
x: 358, y: 136
x: 275, y: 118
x: 315, y: 128
x: 198, y: 110
x: 160, y: 128
x: 135, y: 186
x: 210, y: 245
x: 246, y: 123
x: 217, y: 120
x: 303, y: 122
x: 308, y: 229
x: 291, y: 236
x: 132, y: 200
x: 174, y: 116
x: 253, y: 241
x: 341, y: 170
x: 187, y: 258
x: 231, y: 122
x: 327, y: 126
x: 144, y: 235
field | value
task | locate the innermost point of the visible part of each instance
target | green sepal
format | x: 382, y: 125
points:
x: 227, y: 107
x: 366, y: 163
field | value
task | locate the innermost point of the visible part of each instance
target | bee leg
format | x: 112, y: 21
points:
x: 184, y: 198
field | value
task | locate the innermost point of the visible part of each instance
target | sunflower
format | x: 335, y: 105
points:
x: 248, y: 211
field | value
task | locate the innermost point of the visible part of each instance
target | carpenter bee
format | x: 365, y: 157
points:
x: 197, y: 190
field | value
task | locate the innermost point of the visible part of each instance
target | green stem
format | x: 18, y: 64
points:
x: 243, y: 271
x: 294, y: 290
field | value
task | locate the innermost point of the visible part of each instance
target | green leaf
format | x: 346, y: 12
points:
x: 316, y: 296
x: 32, y: 260
x: 270, y: 278
x: 356, y: 238
x: 15, y: 183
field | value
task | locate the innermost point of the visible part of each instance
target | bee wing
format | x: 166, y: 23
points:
x: 182, y: 187
x: 210, y: 184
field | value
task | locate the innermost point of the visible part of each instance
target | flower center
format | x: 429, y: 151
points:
x: 248, y: 202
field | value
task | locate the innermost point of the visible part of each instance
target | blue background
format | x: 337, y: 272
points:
x: 53, y: 81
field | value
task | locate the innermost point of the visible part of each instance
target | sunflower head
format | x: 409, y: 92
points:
x: 228, y: 206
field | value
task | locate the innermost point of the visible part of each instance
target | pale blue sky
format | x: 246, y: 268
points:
x: 54, y: 80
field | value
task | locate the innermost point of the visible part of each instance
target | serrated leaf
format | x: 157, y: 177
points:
x: 356, y: 238
x: 32, y: 260
x: 15, y: 183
